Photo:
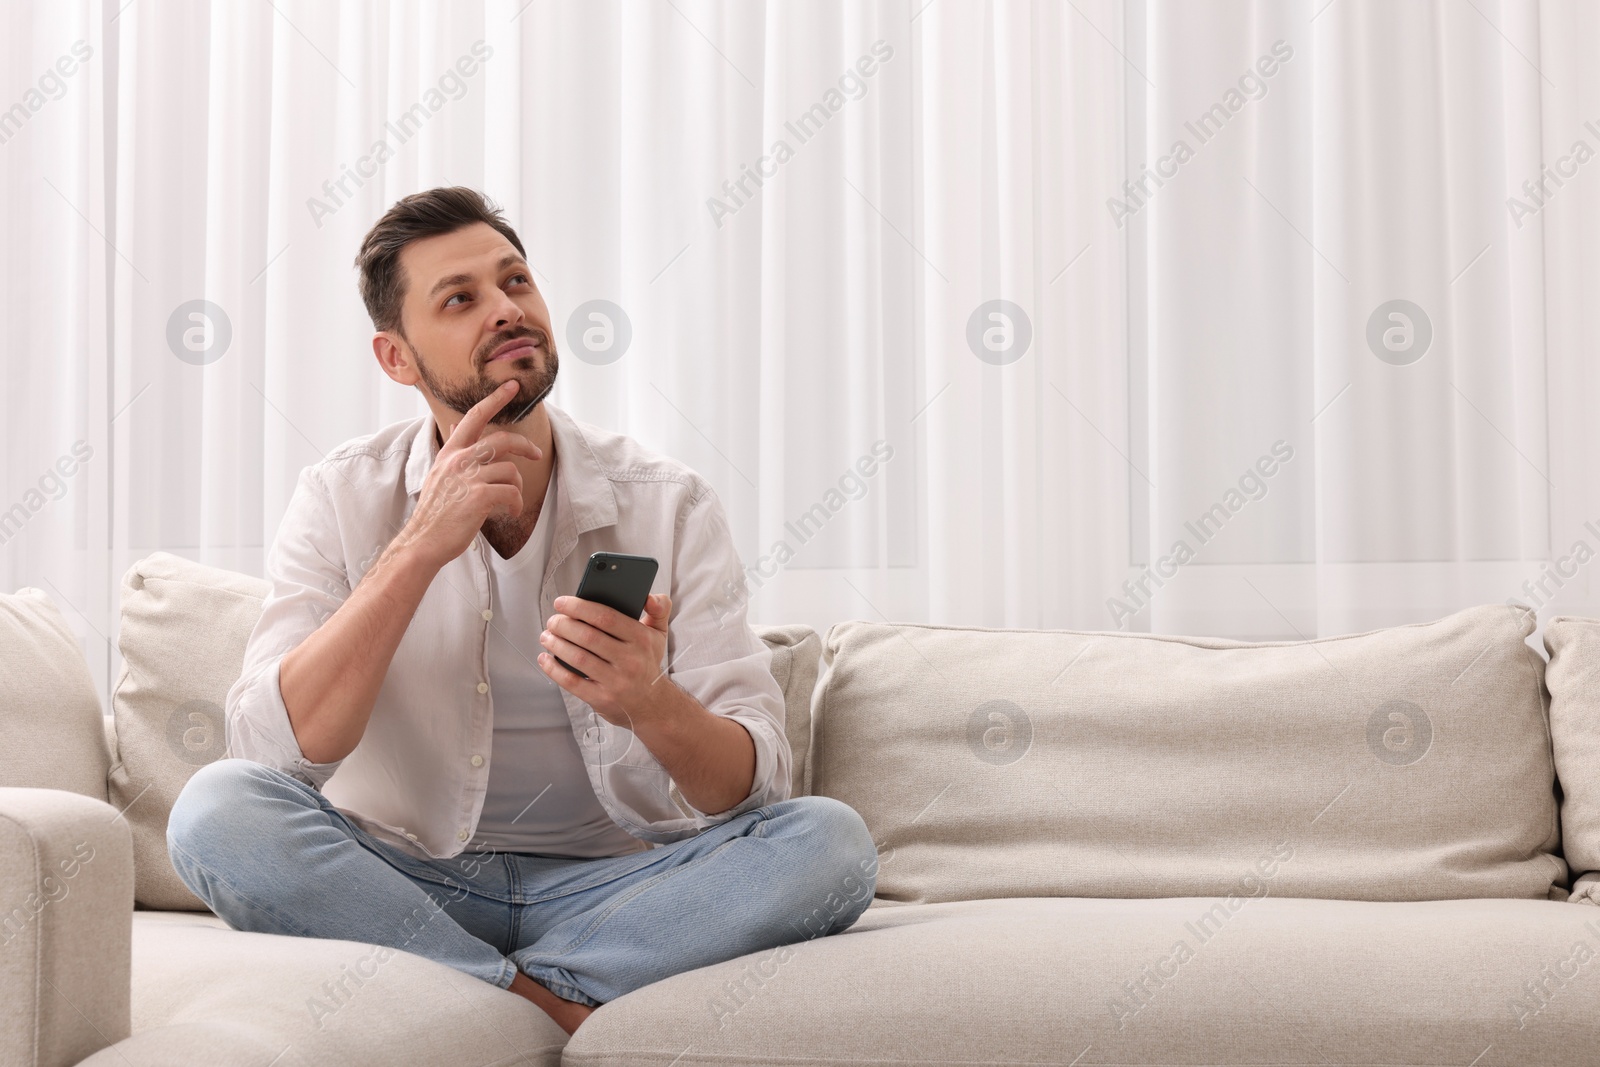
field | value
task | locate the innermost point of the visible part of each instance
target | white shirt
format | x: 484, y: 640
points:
x: 539, y: 798
x: 419, y: 775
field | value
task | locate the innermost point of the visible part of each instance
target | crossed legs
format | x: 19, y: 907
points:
x: 268, y: 853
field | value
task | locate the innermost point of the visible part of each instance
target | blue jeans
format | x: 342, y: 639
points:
x: 269, y: 853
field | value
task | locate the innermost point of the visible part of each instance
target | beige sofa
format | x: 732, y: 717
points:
x: 1094, y: 848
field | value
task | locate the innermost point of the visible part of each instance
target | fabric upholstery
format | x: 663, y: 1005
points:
x: 184, y: 628
x: 66, y: 880
x: 205, y: 994
x: 1404, y: 764
x: 1064, y: 980
x: 50, y: 714
x: 796, y: 653
x: 1573, y: 681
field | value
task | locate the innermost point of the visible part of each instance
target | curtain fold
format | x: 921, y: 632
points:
x: 926, y: 289
x: 1337, y: 270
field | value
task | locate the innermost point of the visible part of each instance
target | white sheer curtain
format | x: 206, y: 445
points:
x: 1374, y: 165
x: 932, y: 264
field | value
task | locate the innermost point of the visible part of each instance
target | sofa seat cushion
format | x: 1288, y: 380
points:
x: 1105, y: 981
x: 205, y: 994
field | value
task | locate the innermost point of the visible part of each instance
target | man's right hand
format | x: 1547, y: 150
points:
x: 471, y: 479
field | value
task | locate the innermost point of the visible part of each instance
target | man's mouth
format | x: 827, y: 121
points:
x: 519, y: 346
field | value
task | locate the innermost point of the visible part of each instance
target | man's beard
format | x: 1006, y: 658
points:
x: 534, y: 378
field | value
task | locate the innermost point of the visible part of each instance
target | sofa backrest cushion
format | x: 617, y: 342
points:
x: 1573, y: 681
x: 1404, y: 764
x: 184, y: 630
x: 50, y: 718
x: 796, y: 656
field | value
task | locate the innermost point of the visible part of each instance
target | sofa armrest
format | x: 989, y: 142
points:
x: 66, y: 926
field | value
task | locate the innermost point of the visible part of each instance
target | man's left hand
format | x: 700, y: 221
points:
x: 621, y: 656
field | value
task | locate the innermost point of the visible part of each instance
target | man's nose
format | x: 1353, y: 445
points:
x: 506, y: 312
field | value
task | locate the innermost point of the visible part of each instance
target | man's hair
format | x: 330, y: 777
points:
x: 425, y: 214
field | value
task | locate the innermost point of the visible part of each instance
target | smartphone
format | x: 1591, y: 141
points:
x: 620, y: 582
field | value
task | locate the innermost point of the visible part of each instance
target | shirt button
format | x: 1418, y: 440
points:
x: 461, y: 835
x: 483, y: 687
x: 487, y: 614
x: 477, y: 761
x: 411, y: 835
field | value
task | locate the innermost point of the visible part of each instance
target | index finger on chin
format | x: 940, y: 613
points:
x: 470, y: 428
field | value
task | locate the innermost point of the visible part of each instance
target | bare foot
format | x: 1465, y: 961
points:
x: 568, y: 1014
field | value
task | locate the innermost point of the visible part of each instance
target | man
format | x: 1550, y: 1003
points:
x: 412, y: 767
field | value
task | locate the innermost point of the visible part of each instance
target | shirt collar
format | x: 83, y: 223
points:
x: 583, y: 487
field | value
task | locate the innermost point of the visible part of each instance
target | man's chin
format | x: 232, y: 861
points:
x: 529, y: 395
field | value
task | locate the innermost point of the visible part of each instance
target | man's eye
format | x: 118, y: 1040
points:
x: 523, y: 278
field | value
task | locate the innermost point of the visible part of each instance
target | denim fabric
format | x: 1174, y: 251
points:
x: 270, y: 854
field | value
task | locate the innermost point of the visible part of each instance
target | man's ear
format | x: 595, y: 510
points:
x: 394, y: 357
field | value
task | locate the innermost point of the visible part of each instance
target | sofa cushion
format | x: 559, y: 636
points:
x: 205, y: 994
x: 1170, y: 981
x: 184, y: 630
x: 50, y: 714
x: 1404, y: 764
x: 796, y: 654
x: 1573, y: 681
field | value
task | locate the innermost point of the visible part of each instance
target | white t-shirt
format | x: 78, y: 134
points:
x: 539, y: 798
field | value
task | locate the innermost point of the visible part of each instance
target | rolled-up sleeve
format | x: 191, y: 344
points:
x: 306, y: 569
x: 717, y: 658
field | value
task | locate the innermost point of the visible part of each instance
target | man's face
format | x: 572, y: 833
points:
x: 473, y: 317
